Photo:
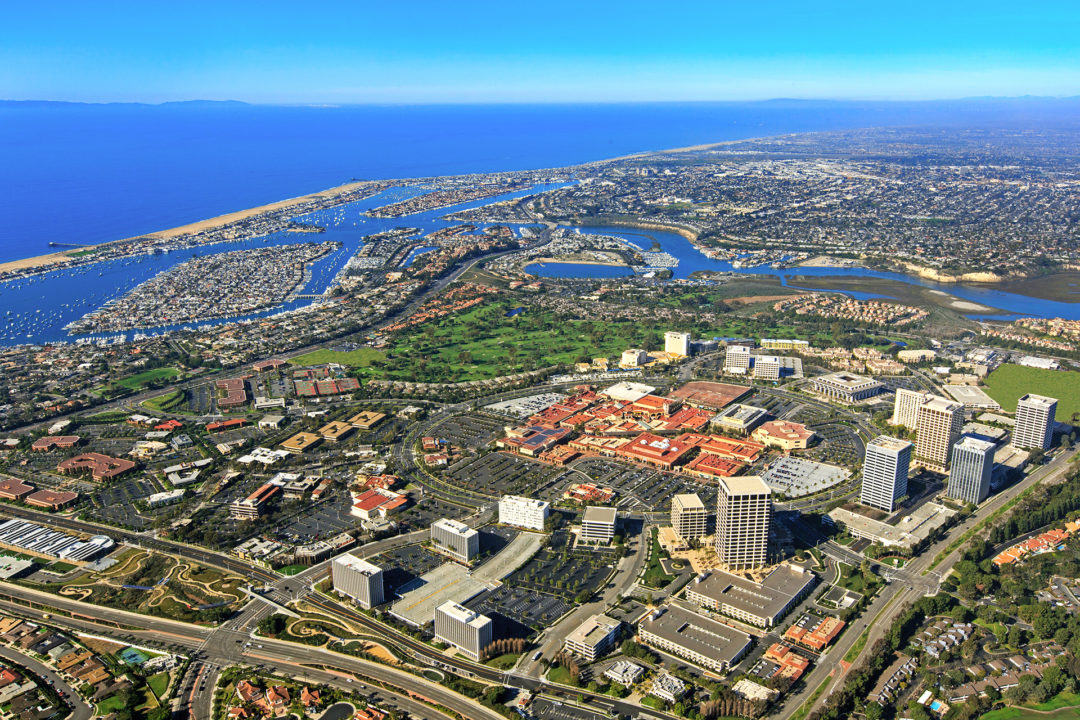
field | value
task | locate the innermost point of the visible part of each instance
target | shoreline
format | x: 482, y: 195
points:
x: 43, y: 261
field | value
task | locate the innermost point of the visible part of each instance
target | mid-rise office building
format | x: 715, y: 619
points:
x: 467, y: 630
x: 885, y: 472
x: 767, y: 367
x: 1034, y: 422
x: 523, y: 512
x: 594, y: 638
x: 972, y: 466
x: 846, y: 387
x: 677, y: 343
x: 689, y: 518
x: 938, y: 424
x: 455, y: 539
x: 358, y: 579
x: 737, y: 359
x: 634, y: 357
x: 906, y: 408
x: 743, y: 515
x: 598, y: 525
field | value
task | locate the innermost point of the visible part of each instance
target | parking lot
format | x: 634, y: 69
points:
x: 837, y: 444
x: 521, y: 612
x: 404, y: 564
x: 327, y: 519
x: 470, y: 431
x: 116, y: 503
x: 502, y: 473
x: 638, y: 489
x: 556, y: 570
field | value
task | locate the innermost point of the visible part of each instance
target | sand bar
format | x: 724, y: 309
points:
x: 189, y: 229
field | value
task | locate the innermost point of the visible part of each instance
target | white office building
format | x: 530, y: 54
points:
x: 906, y: 408
x: 455, y: 539
x: 677, y: 343
x: 737, y: 359
x: 885, y: 472
x: 689, y: 518
x: 972, y: 466
x: 358, y: 579
x: 938, y: 425
x: 523, y: 512
x: 743, y: 514
x: 1034, y: 422
x: 598, y: 525
x: 767, y: 367
x: 465, y: 629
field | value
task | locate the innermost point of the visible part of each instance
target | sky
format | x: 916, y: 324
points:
x: 421, y: 51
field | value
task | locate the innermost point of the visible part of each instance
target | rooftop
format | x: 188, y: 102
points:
x: 745, y: 485
x: 600, y: 515
x: 697, y: 633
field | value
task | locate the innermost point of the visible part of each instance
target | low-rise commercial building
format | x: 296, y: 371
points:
x: 705, y: 642
x: 760, y: 604
x: 846, y: 387
x: 739, y: 419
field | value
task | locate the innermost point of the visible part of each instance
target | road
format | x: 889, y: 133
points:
x: 81, y: 711
x: 919, y: 580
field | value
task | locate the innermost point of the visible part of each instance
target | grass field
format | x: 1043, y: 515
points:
x: 1009, y: 382
x: 134, y: 382
x: 361, y: 357
x: 1011, y: 713
x: 167, y: 402
x: 292, y: 569
x: 158, y: 683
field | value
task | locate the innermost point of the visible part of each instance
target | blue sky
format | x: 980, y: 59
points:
x: 420, y: 51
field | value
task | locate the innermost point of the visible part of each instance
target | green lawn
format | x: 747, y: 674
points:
x: 559, y: 674
x: 158, y: 683
x: 167, y: 402
x: 361, y: 357
x: 504, y: 661
x: 292, y: 569
x: 1011, y: 713
x: 1009, y: 382
x: 134, y: 382
x: 654, y: 576
x: 110, y: 704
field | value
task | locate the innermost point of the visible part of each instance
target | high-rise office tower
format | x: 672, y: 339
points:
x: 938, y: 423
x: 969, y: 474
x: 885, y: 472
x: 743, y: 514
x: 1034, y: 422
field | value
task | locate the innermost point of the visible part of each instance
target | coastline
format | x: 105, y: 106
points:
x: 42, y: 261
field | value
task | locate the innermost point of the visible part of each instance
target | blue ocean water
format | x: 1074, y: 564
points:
x: 92, y: 173
x: 77, y: 173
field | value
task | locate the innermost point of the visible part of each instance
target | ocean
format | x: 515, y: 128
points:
x: 75, y: 173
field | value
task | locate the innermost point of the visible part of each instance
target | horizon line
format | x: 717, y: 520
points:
x: 408, y: 103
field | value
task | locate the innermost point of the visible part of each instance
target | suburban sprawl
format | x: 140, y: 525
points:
x: 453, y: 485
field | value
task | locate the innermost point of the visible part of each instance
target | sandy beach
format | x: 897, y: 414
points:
x: 195, y: 227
